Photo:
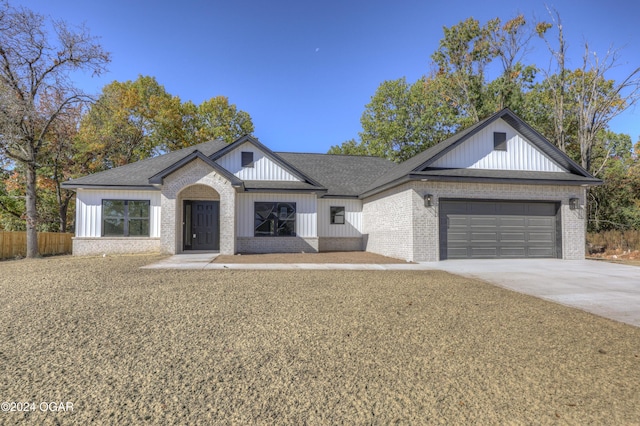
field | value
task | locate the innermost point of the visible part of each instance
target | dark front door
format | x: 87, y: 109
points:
x: 202, y: 225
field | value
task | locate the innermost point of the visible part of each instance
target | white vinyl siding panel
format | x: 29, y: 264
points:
x: 477, y: 153
x: 263, y: 167
x: 89, y: 209
x: 353, y: 218
x: 306, y: 222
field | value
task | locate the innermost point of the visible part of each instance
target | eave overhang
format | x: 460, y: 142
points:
x: 503, y: 180
x: 71, y: 186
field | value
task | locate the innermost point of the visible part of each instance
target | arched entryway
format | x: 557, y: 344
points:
x: 199, y: 213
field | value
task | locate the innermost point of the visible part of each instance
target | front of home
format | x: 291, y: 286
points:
x: 495, y: 190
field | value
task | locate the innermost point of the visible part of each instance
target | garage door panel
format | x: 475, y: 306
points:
x: 506, y: 221
x: 458, y: 236
x: 544, y: 252
x: 483, y: 221
x: 541, y: 221
x: 461, y: 221
x: 513, y: 237
x: 458, y: 252
x: 484, y: 237
x: 542, y: 237
x: 483, y: 252
x: 514, y: 252
x: 498, y: 229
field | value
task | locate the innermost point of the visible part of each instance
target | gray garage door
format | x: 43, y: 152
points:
x: 498, y: 229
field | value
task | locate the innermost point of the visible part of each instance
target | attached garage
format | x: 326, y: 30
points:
x: 494, y: 229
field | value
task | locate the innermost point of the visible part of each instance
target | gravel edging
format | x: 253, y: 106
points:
x: 132, y: 346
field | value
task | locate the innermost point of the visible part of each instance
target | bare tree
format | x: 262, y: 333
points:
x: 557, y: 80
x: 599, y: 100
x: 34, y: 66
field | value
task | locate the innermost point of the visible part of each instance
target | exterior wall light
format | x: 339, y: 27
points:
x: 574, y: 203
x: 428, y: 200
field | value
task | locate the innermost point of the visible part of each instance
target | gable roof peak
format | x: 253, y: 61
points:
x: 423, y: 160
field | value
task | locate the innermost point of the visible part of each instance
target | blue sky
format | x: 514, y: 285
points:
x: 304, y: 70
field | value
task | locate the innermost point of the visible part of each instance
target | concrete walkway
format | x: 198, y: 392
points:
x: 205, y: 261
x: 606, y: 289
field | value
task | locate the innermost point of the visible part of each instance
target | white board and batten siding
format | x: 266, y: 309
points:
x: 263, y: 167
x: 306, y: 218
x: 477, y: 153
x: 353, y: 218
x: 89, y: 209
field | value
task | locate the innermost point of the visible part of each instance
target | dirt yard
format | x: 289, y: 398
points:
x: 132, y: 346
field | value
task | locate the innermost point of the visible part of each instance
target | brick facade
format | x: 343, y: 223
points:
x: 397, y: 223
x: 209, y: 185
x: 277, y: 245
x: 387, y: 223
x: 340, y: 244
x: 96, y: 246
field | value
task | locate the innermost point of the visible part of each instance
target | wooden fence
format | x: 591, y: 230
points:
x: 14, y: 244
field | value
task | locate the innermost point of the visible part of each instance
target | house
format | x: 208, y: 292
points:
x: 497, y: 189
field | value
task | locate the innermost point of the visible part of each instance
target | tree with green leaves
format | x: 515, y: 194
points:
x: 401, y: 120
x: 616, y: 204
x: 138, y: 119
x: 217, y: 119
x: 36, y: 89
x: 130, y: 121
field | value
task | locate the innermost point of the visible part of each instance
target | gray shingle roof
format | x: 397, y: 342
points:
x: 138, y: 173
x: 348, y: 175
x: 342, y: 175
x: 338, y: 175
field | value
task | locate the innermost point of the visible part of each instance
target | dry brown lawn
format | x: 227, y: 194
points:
x: 132, y: 346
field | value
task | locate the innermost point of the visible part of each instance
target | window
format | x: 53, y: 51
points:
x: 499, y: 141
x: 337, y: 215
x: 275, y: 219
x: 125, y: 218
x: 247, y: 159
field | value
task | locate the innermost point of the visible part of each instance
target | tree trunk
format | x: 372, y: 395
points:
x: 63, y: 208
x: 32, y: 213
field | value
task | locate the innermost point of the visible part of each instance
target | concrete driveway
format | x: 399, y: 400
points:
x: 606, y: 289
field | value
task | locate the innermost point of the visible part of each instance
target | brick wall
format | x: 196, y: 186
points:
x: 388, y: 223
x: 95, y: 246
x: 178, y: 186
x: 397, y: 224
x: 277, y: 245
x: 340, y: 244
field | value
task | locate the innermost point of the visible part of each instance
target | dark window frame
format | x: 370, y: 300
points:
x: 246, y: 159
x: 499, y: 141
x: 335, y: 212
x: 274, y: 219
x: 126, y: 218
